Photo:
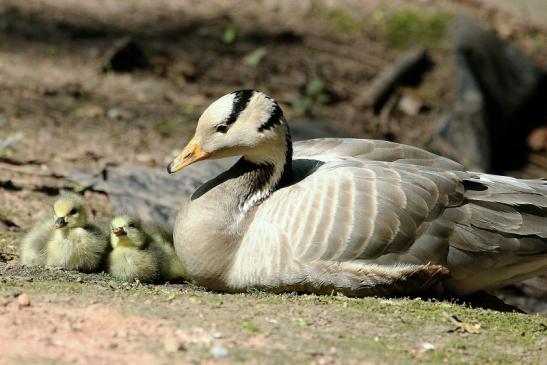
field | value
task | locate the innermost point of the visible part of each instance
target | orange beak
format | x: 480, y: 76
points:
x: 190, y: 154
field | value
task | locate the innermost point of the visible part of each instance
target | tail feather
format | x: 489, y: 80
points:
x: 499, y: 233
x: 506, y: 190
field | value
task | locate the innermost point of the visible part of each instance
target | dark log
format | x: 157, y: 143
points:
x: 407, y: 70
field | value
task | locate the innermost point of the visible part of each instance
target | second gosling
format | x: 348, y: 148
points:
x: 140, y: 252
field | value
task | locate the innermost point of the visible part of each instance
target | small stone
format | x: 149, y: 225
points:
x: 89, y: 111
x: 113, y: 113
x: 78, y: 279
x: 23, y: 300
x: 424, y: 347
x: 144, y: 158
x: 122, y: 333
x: 219, y: 352
x: 118, y: 114
x: 172, y: 345
x: 217, y: 335
x: 410, y: 105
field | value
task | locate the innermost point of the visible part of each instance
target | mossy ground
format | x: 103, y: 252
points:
x: 266, y: 328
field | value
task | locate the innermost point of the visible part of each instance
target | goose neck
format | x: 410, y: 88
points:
x: 263, y: 176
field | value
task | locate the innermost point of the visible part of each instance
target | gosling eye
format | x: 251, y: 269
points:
x: 222, y: 128
x: 73, y: 211
x: 131, y: 225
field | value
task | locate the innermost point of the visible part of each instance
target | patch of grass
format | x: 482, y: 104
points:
x: 230, y: 34
x: 300, y: 323
x: 539, y: 42
x: 10, y: 213
x: 168, y: 126
x: 9, y: 242
x: 251, y: 326
x: 315, y: 94
x: 409, y: 27
x: 188, y: 110
x: 342, y: 19
x: 50, y: 51
x: 7, y: 152
x: 374, y: 329
x: 253, y: 59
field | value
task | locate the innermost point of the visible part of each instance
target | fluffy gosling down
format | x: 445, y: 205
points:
x: 69, y: 242
x: 141, y: 252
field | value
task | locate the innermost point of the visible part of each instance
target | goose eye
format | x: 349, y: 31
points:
x: 222, y: 128
x: 73, y: 211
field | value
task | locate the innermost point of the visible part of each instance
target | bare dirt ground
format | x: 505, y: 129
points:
x: 75, y: 117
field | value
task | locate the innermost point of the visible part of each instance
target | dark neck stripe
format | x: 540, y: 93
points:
x: 265, y: 170
x: 241, y: 99
x: 276, y: 117
x: 286, y: 177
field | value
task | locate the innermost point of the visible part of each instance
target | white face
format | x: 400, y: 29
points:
x: 244, y: 123
x: 231, y: 125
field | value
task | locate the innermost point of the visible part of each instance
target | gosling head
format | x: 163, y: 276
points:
x: 245, y: 123
x: 69, y: 211
x: 126, y: 231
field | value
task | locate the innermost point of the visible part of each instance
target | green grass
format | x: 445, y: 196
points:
x: 410, y: 27
x: 380, y: 330
x: 343, y: 20
x: 301, y: 328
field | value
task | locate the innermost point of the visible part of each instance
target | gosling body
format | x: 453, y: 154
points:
x: 67, y: 241
x: 143, y: 253
x: 80, y: 248
x: 33, y: 250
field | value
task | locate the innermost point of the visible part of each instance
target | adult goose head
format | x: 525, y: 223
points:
x: 360, y: 217
x: 244, y: 123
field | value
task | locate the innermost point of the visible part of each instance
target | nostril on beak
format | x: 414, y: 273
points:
x: 118, y: 231
x: 60, y: 222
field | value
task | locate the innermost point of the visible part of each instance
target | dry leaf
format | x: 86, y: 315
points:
x: 462, y: 326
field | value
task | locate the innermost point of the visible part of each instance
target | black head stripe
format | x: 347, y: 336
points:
x: 241, y: 99
x: 276, y: 117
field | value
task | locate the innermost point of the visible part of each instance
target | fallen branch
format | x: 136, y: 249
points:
x: 385, y: 115
x: 462, y: 326
x: 408, y: 69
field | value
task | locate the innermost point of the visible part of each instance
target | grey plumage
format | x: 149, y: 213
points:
x: 362, y: 217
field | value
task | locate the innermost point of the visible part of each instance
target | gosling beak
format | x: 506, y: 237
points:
x: 119, y: 231
x: 60, y: 222
x: 190, y: 154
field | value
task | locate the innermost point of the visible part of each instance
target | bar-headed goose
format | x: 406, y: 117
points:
x: 360, y: 217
